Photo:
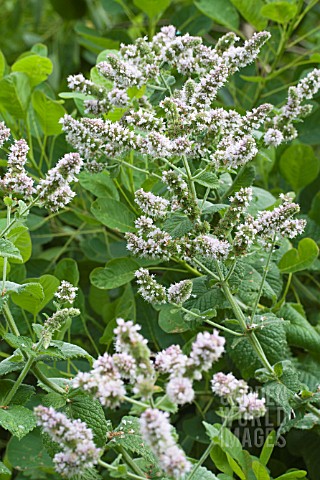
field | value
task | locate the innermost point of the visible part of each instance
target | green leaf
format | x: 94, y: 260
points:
x: 32, y: 291
x: 177, y: 225
x: 298, y: 165
x: 273, y: 341
x: 117, y: 272
x: 152, y: 8
x: 300, y: 333
x: 100, y: 184
x: 244, y: 178
x: 299, y: 259
x: 21, y: 239
x: 221, y: 11
x: 113, y: 214
x: 261, y: 199
x: 219, y: 458
x: 280, y: 12
x: 268, y: 447
x: 69, y: 350
x: 18, y: 420
x: 4, y: 469
x: 8, y: 250
x: 314, y: 212
x: 11, y: 364
x: 29, y: 455
x: 204, y: 474
x: 171, y: 320
x: 207, y: 179
x: 2, y: 64
x: 48, y: 112
x: 15, y: 94
x: 250, y: 11
x: 260, y: 471
x: 295, y: 475
x: 29, y: 300
x: 37, y: 68
x: 67, y: 269
x: 131, y: 438
x: 91, y: 412
x: 223, y: 437
x: 21, y: 397
x: 23, y: 343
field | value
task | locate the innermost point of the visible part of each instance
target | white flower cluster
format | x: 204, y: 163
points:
x: 188, y: 111
x: 270, y: 224
x: 16, y: 180
x: 157, y: 432
x: 150, y: 241
x: 130, y: 362
x: 54, y: 190
x: 183, y: 369
x: 237, y: 394
x: 152, y: 205
x: 154, y: 292
x: 239, y: 202
x: 103, y: 381
x: 211, y: 247
x: 74, y: 437
x: 66, y: 292
x: 281, y: 127
x: 4, y: 133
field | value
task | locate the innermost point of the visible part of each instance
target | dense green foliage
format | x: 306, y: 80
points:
x: 42, y: 43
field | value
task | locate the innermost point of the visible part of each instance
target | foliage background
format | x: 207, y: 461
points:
x: 72, y: 244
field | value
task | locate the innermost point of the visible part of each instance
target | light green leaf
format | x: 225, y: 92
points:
x: 15, y: 94
x: 37, y: 68
x: 4, y: 469
x: 29, y: 300
x: 113, y: 214
x: 221, y: 11
x: 299, y: 259
x: 8, y: 250
x: 207, y: 179
x: 21, y: 239
x: 268, y: 447
x: 117, y: 272
x: 48, y: 112
x: 299, y: 166
x: 171, y: 320
x: 295, y: 475
x: 100, y: 184
x: 18, y: 420
x: 250, y: 11
x: 204, y: 474
x: 280, y: 12
x: 260, y: 471
x: 2, y: 64
x: 152, y: 8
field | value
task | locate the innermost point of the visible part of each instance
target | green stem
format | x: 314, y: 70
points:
x: 8, y: 227
x: 18, y: 382
x: 129, y: 461
x: 136, y: 402
x: 285, y: 293
x: 10, y: 320
x: 191, y: 182
x: 217, y: 325
x: 40, y: 376
x: 264, y: 276
x: 203, y: 458
x: 115, y: 469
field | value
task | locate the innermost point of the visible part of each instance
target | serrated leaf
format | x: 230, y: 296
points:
x: 178, y: 225
x: 32, y: 303
x: 203, y: 473
x: 113, y: 214
x: 299, y: 259
x: 91, y: 412
x: 18, y: 420
x: 131, y: 438
x: 23, y: 343
x: 172, y: 322
x: 69, y: 350
x: 21, y: 397
x: 12, y: 363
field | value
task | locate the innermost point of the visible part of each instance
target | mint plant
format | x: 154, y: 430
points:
x: 176, y: 168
